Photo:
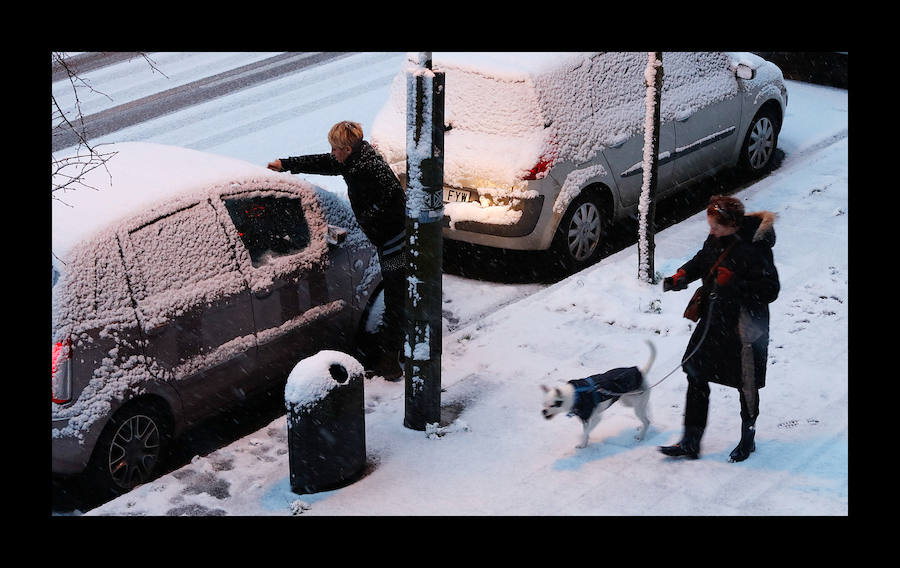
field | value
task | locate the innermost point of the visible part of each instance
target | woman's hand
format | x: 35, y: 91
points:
x: 723, y: 276
x: 675, y: 282
x: 275, y: 166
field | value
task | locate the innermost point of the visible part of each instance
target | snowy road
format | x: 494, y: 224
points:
x: 171, y: 100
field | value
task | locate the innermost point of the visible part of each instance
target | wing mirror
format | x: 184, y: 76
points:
x: 744, y: 72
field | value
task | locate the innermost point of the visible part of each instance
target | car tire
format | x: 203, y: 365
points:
x: 132, y: 448
x: 576, y: 244
x: 758, y: 151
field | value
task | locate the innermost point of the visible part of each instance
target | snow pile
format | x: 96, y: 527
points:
x: 314, y: 377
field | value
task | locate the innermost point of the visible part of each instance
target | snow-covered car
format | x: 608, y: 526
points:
x: 544, y: 150
x: 182, y: 282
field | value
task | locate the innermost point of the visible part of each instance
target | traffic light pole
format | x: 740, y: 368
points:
x: 424, y: 215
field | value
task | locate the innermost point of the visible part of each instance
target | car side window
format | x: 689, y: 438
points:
x: 269, y: 226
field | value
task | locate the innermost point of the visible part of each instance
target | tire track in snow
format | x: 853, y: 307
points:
x: 177, y: 98
x: 85, y: 62
x: 290, y: 113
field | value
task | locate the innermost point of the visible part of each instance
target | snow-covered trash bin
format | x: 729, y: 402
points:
x: 326, y: 422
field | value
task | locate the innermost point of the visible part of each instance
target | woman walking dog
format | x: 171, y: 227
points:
x: 739, y: 282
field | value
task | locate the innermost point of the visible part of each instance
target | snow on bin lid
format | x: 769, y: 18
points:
x: 139, y: 174
x: 311, y: 379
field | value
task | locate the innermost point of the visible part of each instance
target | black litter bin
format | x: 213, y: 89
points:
x: 326, y: 422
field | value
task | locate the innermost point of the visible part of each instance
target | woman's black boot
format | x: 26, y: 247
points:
x: 688, y: 447
x: 747, y: 445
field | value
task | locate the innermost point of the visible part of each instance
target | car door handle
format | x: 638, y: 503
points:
x: 683, y: 117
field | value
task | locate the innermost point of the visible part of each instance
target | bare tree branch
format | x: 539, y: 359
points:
x: 68, y: 173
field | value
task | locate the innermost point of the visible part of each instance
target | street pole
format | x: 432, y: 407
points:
x: 424, y: 215
x: 653, y: 78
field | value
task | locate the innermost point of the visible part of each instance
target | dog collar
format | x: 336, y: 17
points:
x: 582, y: 386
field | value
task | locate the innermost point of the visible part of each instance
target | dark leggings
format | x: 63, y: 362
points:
x: 394, y: 319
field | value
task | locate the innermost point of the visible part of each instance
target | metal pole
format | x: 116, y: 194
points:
x: 653, y: 77
x: 424, y: 215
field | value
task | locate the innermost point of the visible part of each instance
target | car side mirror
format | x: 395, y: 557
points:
x: 744, y: 72
x: 336, y: 235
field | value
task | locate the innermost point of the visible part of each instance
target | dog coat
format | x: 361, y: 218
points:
x: 591, y: 391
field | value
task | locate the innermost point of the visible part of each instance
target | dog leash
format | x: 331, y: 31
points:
x: 712, y: 299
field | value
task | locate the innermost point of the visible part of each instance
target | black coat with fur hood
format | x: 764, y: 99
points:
x: 735, y: 348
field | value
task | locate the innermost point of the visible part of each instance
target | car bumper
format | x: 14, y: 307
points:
x: 70, y: 454
x: 532, y: 231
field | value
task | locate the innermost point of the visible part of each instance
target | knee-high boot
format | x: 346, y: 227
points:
x: 688, y: 447
x: 695, y: 413
x: 747, y: 445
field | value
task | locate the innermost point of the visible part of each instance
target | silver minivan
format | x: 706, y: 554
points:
x: 183, y: 282
x: 544, y: 150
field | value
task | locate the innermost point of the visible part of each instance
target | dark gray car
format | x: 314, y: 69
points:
x: 185, y: 283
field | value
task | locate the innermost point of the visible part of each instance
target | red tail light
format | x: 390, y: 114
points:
x: 60, y: 375
x: 539, y: 170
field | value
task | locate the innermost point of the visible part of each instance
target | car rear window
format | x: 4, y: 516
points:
x: 181, y: 250
x: 269, y: 226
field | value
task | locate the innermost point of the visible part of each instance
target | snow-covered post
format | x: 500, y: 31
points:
x: 424, y: 213
x: 653, y: 78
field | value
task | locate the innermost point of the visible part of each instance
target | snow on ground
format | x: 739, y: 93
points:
x: 500, y: 457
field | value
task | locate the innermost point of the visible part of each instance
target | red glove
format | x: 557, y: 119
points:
x: 671, y: 283
x: 723, y: 275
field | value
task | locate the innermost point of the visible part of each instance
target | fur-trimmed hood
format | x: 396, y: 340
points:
x: 759, y: 227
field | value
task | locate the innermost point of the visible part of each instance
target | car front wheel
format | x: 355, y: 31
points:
x: 760, y: 143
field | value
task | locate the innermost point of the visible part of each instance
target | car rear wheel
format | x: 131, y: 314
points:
x: 132, y: 448
x: 577, y: 240
x: 759, y: 145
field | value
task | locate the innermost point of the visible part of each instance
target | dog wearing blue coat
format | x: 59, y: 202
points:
x: 589, y: 397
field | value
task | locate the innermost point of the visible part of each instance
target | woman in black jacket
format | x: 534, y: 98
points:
x: 735, y: 308
x: 379, y: 204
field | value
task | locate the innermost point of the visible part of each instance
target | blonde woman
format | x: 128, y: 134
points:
x: 379, y: 203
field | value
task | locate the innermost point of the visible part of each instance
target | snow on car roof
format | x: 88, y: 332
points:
x: 140, y: 174
x: 506, y: 65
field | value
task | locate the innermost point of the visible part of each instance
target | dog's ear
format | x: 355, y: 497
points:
x: 544, y: 388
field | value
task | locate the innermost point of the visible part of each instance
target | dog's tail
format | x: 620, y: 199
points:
x: 646, y: 367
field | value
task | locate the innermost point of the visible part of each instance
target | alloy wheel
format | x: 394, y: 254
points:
x: 134, y: 451
x: 584, y: 231
x: 762, y: 143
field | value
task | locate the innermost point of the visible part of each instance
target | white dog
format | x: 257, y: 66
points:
x: 587, y: 398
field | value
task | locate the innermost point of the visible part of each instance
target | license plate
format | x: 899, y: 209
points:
x: 456, y: 195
